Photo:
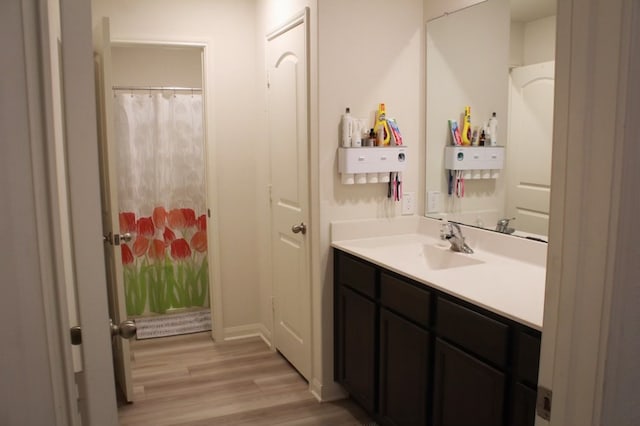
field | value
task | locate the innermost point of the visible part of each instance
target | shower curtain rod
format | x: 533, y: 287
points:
x: 174, y: 89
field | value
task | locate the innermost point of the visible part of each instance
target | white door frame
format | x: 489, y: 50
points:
x: 592, y: 78
x: 97, y: 380
x: 211, y: 179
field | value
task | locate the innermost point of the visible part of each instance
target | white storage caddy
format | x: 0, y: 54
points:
x: 480, y: 162
x: 370, y: 164
x: 372, y: 159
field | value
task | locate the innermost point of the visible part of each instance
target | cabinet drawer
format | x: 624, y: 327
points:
x: 527, y: 358
x: 404, y: 298
x: 478, y: 333
x: 358, y: 275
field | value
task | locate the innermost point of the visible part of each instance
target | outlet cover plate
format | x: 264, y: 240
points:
x: 409, y: 203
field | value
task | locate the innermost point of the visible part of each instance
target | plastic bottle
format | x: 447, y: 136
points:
x: 493, y: 130
x: 381, y: 124
x: 356, y: 133
x: 466, y: 127
x: 372, y: 138
x: 347, y: 128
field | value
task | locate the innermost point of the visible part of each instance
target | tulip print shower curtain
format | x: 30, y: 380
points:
x: 161, y: 195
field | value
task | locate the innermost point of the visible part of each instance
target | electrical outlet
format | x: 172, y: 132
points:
x: 409, y: 203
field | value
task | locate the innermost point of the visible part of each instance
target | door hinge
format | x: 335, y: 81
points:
x: 209, y: 213
x: 543, y: 403
x: 270, y: 188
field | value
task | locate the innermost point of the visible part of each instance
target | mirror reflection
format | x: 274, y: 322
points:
x: 497, y: 56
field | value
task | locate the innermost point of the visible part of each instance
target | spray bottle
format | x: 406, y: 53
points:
x: 347, y: 128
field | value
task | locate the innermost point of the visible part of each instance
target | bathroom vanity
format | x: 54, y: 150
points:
x: 427, y: 336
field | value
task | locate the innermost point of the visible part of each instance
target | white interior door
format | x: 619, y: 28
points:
x: 289, y: 139
x: 110, y: 218
x: 529, y: 147
x: 96, y: 383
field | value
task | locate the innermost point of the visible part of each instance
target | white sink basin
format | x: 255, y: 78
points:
x: 443, y: 258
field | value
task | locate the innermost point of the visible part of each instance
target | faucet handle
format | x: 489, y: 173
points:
x: 505, y: 221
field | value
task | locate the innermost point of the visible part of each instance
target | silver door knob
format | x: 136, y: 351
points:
x: 116, y: 239
x: 299, y: 228
x: 127, y: 329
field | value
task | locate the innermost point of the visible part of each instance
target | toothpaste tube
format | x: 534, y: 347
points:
x: 395, y: 131
x: 455, y: 133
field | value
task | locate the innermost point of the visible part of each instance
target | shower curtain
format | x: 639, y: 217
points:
x: 161, y: 195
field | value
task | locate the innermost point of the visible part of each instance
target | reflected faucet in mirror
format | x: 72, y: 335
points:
x: 503, y: 226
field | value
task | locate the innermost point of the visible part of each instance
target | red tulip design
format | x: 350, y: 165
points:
x: 127, y: 256
x: 180, y: 249
x: 189, y: 217
x: 140, y: 245
x: 201, y: 223
x: 176, y: 219
x: 145, y: 227
x: 127, y: 222
x: 168, y: 236
x: 199, y: 241
x: 156, y: 249
x: 159, y: 217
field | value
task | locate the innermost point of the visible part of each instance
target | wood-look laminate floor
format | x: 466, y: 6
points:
x: 190, y: 380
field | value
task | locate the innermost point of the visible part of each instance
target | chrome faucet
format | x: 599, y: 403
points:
x: 503, y: 226
x: 452, y: 233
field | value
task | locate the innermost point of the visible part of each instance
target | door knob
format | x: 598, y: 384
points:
x: 299, y: 228
x: 115, y: 239
x: 126, y: 329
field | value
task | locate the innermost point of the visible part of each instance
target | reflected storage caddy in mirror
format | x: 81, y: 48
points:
x: 496, y: 56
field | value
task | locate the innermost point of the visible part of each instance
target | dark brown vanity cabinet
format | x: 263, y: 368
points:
x: 413, y: 355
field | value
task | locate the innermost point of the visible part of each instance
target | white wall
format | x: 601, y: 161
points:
x: 466, y: 66
x: 540, y: 40
x: 228, y: 26
x: 156, y: 66
x: 533, y: 42
x: 359, y: 67
x: 32, y: 370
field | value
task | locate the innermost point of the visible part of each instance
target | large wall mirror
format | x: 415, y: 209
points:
x: 496, y: 56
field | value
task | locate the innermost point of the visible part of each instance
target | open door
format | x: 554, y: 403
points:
x: 110, y: 217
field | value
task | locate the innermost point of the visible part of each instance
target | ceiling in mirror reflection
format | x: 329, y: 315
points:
x: 530, y: 10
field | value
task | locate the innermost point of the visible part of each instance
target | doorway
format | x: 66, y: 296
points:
x: 154, y: 191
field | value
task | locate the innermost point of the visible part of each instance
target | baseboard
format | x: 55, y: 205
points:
x: 246, y: 331
x: 327, y: 393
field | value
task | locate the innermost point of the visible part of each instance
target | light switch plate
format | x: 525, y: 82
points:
x: 409, y: 203
x: 433, y: 201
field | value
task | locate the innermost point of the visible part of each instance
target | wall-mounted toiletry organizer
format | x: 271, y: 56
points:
x: 482, y: 162
x: 370, y: 164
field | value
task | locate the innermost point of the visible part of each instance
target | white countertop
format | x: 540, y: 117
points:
x: 511, y: 286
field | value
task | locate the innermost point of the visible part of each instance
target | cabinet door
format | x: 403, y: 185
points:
x: 523, y: 406
x: 404, y: 360
x: 466, y: 390
x: 356, y: 346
